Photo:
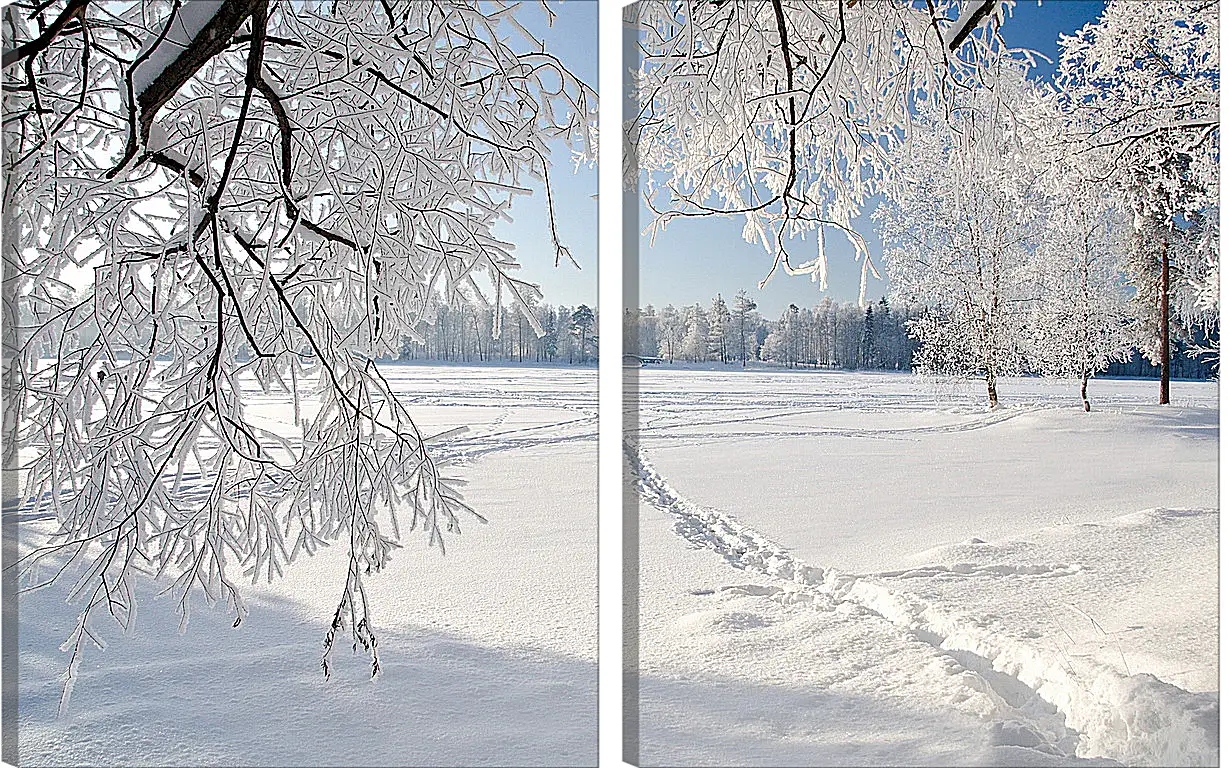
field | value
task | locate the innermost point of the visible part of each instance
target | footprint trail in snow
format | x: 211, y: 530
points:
x: 1057, y: 708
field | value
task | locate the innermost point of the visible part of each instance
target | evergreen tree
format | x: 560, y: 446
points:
x: 866, y: 350
x: 718, y: 330
x: 882, y: 344
x: 582, y: 321
x: 548, y: 343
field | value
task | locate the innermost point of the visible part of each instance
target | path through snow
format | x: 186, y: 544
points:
x: 955, y: 641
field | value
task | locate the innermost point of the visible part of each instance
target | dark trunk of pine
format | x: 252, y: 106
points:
x: 992, y: 389
x: 1165, y: 322
x: 1084, y: 391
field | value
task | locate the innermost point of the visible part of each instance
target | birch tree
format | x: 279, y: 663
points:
x: 959, y: 228
x: 1082, y: 320
x: 743, y: 322
x: 647, y: 332
x: 670, y: 332
x: 261, y: 195
x: 695, y: 333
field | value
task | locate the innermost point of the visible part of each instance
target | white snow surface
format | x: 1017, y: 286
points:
x: 873, y: 569
x: 488, y: 653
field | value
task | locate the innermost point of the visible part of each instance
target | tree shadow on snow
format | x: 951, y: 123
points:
x: 1193, y: 423
x: 256, y: 695
x: 724, y: 722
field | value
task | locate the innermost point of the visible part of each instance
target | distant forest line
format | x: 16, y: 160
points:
x: 465, y: 334
x: 834, y: 335
x: 841, y: 335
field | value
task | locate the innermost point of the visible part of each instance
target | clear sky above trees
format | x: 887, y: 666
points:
x: 573, y: 38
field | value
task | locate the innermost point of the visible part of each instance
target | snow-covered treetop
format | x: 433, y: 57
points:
x: 1142, y: 86
x: 1139, y: 90
x: 785, y: 113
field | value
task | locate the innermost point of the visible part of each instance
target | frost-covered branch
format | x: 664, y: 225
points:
x: 214, y: 200
x: 785, y: 112
x: 1139, y: 92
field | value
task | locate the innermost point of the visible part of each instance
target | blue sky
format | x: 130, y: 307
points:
x: 694, y: 259
x: 572, y: 38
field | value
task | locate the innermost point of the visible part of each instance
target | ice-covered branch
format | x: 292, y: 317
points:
x: 208, y: 198
x: 794, y: 124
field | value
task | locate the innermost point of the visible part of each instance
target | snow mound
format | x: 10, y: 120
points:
x: 1154, y: 516
x: 1060, y: 707
x: 981, y: 569
x: 722, y: 621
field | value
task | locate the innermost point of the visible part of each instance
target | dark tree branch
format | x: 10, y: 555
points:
x: 260, y: 17
x: 166, y: 161
x: 212, y: 40
x: 286, y: 129
x: 976, y: 18
x: 74, y: 10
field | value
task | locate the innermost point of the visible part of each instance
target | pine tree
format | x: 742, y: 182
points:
x: 866, y: 350
x: 718, y: 330
x: 548, y: 343
x: 884, y: 322
x: 582, y: 321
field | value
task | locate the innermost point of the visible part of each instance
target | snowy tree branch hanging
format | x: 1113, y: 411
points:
x: 206, y: 200
x: 785, y: 112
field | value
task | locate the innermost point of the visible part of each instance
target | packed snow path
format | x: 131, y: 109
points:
x: 1041, y: 701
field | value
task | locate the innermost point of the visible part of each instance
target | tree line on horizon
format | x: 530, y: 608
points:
x: 466, y: 334
x: 832, y: 334
x: 840, y: 334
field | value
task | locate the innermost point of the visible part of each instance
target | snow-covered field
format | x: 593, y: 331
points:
x: 873, y: 569
x: 488, y: 654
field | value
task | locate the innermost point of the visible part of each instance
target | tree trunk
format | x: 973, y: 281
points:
x: 1165, y: 321
x: 1084, y: 391
x: 742, y: 340
x: 992, y: 389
